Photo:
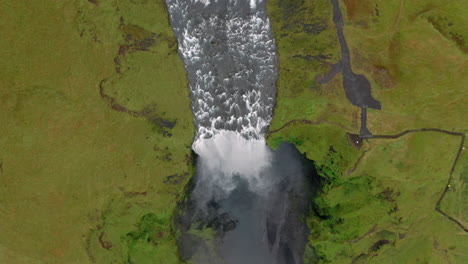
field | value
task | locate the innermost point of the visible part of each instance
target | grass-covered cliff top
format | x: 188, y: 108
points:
x: 96, y: 132
x: 380, y: 204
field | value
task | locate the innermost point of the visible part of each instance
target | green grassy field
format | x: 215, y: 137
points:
x: 93, y: 152
x: 94, y: 155
x: 382, y: 208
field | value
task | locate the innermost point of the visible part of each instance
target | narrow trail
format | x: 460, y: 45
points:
x: 307, y: 122
x: 452, y: 170
x: 396, y: 136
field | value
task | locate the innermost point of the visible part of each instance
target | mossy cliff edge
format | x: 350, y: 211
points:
x: 96, y: 134
x: 379, y: 203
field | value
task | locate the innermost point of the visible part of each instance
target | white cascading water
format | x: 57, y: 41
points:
x: 228, y: 154
x: 230, y: 56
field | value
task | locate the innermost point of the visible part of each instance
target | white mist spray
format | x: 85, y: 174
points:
x: 228, y: 155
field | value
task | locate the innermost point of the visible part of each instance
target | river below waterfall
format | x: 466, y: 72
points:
x: 246, y: 203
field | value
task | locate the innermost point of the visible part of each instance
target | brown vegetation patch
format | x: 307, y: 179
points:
x: 117, y: 65
x: 188, y: 159
x: 377, y: 245
x: 113, y: 104
x: 380, y: 74
x: 176, y: 179
x: 153, y: 117
x: 359, y: 9
x: 315, y: 27
x: 294, y: 15
x: 104, y: 244
x: 163, y: 154
x: 389, y: 194
x: 137, y: 38
x: 289, y: 10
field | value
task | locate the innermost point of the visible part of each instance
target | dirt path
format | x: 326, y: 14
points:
x: 452, y: 170
x: 307, y: 122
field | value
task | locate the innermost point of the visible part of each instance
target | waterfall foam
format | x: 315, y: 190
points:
x: 227, y: 155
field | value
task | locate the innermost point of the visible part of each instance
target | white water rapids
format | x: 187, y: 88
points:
x: 230, y: 56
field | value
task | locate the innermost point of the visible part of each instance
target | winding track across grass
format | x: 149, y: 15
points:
x: 396, y: 136
x: 307, y: 122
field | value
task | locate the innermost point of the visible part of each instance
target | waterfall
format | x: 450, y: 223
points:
x: 228, y: 154
x: 230, y: 56
x: 242, y: 188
